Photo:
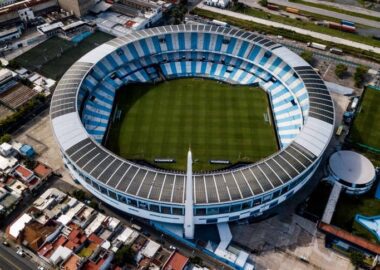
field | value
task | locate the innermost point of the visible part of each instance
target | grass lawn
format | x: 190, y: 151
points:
x: 366, y: 126
x: 53, y: 57
x: 348, y: 206
x: 218, y: 121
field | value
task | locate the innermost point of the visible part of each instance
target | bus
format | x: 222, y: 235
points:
x: 220, y: 23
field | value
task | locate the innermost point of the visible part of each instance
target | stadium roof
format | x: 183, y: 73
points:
x: 169, y: 187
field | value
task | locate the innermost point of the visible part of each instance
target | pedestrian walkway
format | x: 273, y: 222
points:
x: 331, y: 204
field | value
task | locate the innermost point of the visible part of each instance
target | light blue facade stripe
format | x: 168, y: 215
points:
x: 206, y: 41
x: 275, y: 64
x: 111, y: 61
x: 213, y: 69
x: 133, y: 51
x: 106, y: 90
x: 156, y: 44
x: 284, y: 71
x: 194, y: 41
x: 218, y: 43
x: 193, y: 67
x: 203, y: 67
x: 290, y: 127
x: 95, y: 114
x: 231, y: 45
x: 264, y: 60
x: 169, y: 42
x: 163, y: 68
x: 290, y: 118
x: 95, y: 123
x: 255, y: 51
x: 98, y: 106
x: 145, y: 48
x: 242, y: 76
x: 122, y: 56
x: 243, y: 49
x: 102, y: 98
x: 288, y: 110
x: 95, y: 132
x: 174, y: 68
x: 290, y: 80
x: 280, y: 93
x: 288, y: 136
x: 298, y: 88
x: 181, y: 41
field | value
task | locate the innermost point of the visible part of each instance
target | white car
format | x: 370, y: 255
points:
x: 20, y: 252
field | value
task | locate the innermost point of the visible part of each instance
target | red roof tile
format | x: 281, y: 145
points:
x: 176, y: 262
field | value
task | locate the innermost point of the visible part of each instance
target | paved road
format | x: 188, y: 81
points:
x: 292, y: 28
x: 348, y: 7
x: 9, y: 260
x: 325, y: 12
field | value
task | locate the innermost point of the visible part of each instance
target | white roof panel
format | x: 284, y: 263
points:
x: 69, y: 130
x: 291, y: 58
x: 97, y: 54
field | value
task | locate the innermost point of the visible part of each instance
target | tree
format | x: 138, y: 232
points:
x: 340, y: 70
x: 124, y: 255
x: 263, y: 3
x: 179, y: 11
x: 79, y: 194
x: 308, y: 56
x: 30, y: 163
x: 5, y: 138
x: 357, y: 258
x: 196, y: 260
x: 360, y: 74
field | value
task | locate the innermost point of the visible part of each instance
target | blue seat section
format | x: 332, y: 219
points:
x: 286, y: 112
x: 98, y: 107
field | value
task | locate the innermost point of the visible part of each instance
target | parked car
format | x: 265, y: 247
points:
x: 173, y: 247
x: 20, y: 252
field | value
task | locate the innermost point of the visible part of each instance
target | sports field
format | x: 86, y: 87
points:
x: 54, y: 56
x: 217, y: 120
x: 366, y: 126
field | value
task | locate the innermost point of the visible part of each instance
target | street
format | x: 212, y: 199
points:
x: 332, y: 14
x: 9, y: 260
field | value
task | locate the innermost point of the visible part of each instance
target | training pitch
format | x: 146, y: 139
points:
x: 217, y: 120
x: 366, y: 126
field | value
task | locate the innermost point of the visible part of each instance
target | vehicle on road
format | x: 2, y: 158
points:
x: 20, y: 252
x: 318, y: 46
x: 173, y: 247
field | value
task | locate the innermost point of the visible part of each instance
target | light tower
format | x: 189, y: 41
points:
x: 189, y: 215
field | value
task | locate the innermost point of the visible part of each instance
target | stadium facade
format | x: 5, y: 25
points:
x: 303, y: 115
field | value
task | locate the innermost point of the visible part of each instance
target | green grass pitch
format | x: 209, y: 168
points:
x: 366, y: 126
x: 217, y: 120
x: 54, y: 56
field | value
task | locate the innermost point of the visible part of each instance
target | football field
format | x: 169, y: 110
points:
x: 366, y: 126
x: 218, y: 121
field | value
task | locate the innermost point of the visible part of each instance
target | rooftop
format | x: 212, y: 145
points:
x: 344, y: 235
x: 176, y: 262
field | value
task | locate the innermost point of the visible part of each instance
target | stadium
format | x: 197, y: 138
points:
x: 302, y: 112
